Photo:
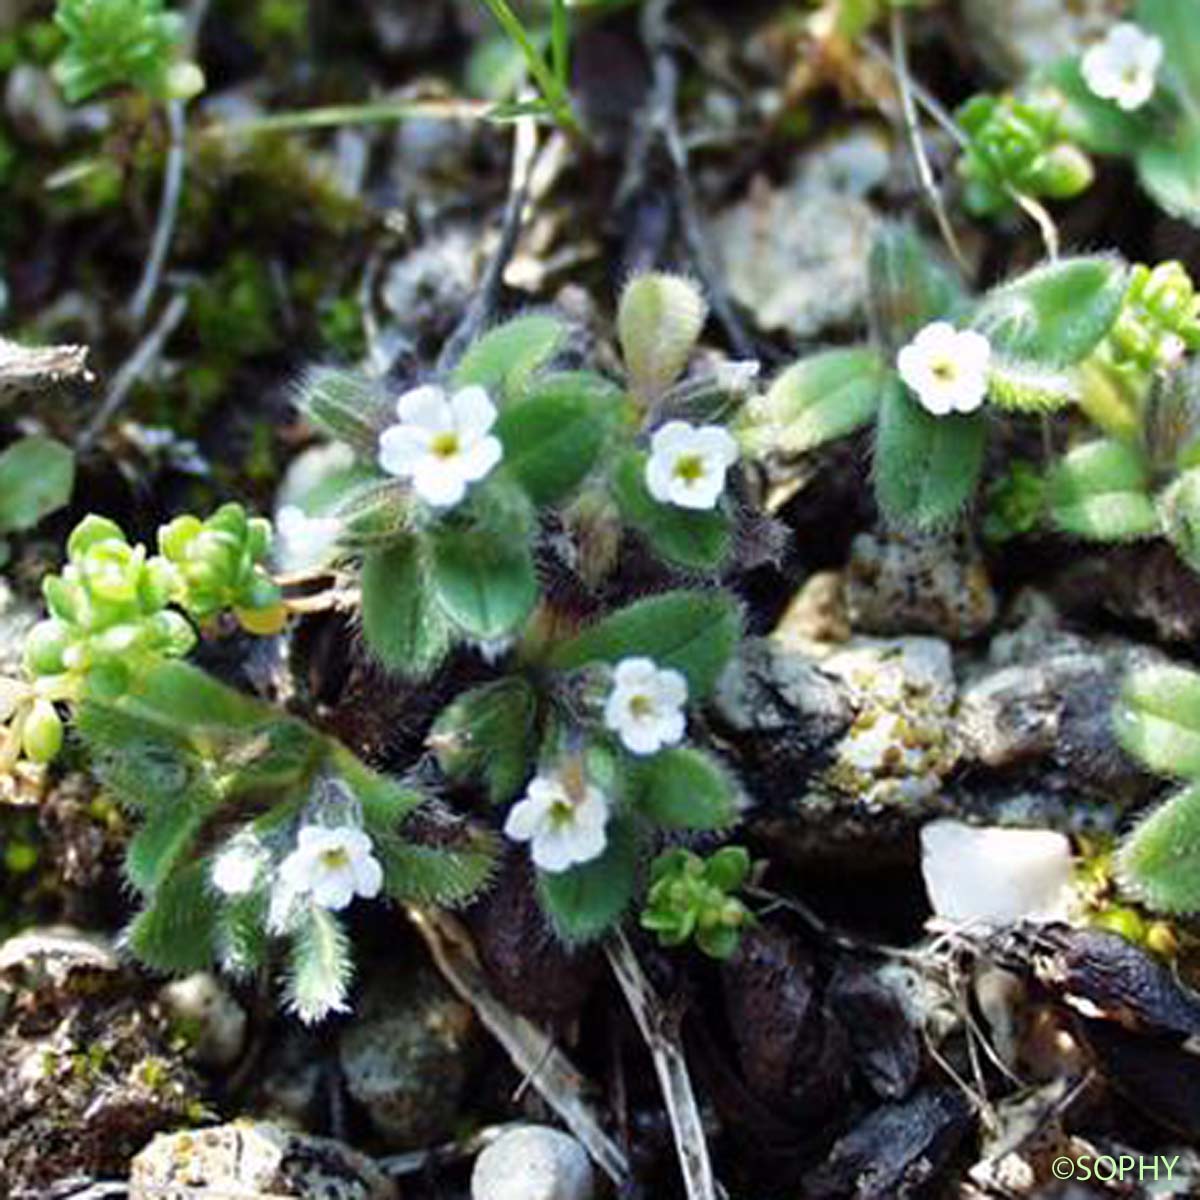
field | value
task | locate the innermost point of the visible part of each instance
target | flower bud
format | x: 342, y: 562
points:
x: 184, y: 81
x: 263, y: 622
x: 44, y: 647
x: 659, y: 322
x: 42, y: 735
x: 1064, y: 172
x: 91, y: 531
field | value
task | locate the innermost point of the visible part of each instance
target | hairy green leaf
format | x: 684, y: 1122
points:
x: 1101, y: 491
x: 504, y: 360
x: 1027, y: 387
x: 816, y: 400
x: 1157, y: 720
x: 485, y: 585
x: 320, y: 968
x: 692, y: 631
x: 176, y: 931
x: 1159, y: 862
x: 1057, y: 314
x: 683, y: 788
x: 554, y: 434
x: 586, y: 901
x: 348, y: 405
x: 696, y: 539
x: 403, y: 624
x: 926, y: 467
x: 909, y: 286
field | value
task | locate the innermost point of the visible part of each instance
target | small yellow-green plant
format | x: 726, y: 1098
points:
x: 692, y: 899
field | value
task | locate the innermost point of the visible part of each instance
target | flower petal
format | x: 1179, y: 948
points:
x: 401, y: 448
x: 479, y: 459
x: 368, y: 877
x: 439, y: 481
x: 474, y: 413
x: 526, y: 818
x: 426, y: 407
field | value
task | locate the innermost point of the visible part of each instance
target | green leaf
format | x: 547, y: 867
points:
x: 385, y: 803
x: 37, y: 475
x: 659, y: 321
x: 505, y: 358
x: 1101, y: 491
x: 176, y: 931
x: 320, y: 968
x: 347, y: 405
x: 588, y: 900
x: 909, y: 286
x: 1027, y: 387
x: 1157, y: 720
x: 1096, y: 124
x: 1159, y: 862
x: 692, y: 631
x: 167, y: 833
x: 483, y: 585
x: 818, y: 399
x: 1174, y: 21
x: 178, y: 695
x: 446, y: 875
x: 698, y: 540
x: 403, y: 625
x: 1057, y: 314
x: 729, y: 868
x: 926, y: 467
x: 489, y: 733
x: 1170, y: 171
x: 685, y: 789
x: 553, y: 436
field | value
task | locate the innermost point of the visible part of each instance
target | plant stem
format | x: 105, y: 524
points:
x: 553, y: 89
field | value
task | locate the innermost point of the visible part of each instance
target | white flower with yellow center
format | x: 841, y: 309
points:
x: 645, y: 706
x: 1124, y: 67
x: 564, y: 821
x: 443, y: 442
x: 687, y: 464
x: 947, y: 368
x: 330, y: 867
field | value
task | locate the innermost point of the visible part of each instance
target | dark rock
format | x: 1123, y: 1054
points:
x: 885, y: 1045
x: 896, y: 1150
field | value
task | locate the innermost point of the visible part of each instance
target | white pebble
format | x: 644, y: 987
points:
x: 995, y: 875
x: 533, y: 1162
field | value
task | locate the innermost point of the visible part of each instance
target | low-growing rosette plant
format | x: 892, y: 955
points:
x: 254, y: 830
x: 693, y: 899
x: 587, y: 743
x: 1135, y: 94
x: 939, y: 367
x: 442, y: 518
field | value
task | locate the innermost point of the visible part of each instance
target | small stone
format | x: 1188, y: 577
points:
x: 817, y: 613
x: 784, y: 714
x: 1015, y: 37
x: 796, y: 256
x: 405, y: 1056
x: 251, y: 1159
x: 901, y: 743
x: 214, y: 1023
x: 1043, y: 705
x: 918, y: 583
x: 995, y: 875
x: 533, y: 1162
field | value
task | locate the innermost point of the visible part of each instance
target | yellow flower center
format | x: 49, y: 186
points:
x: 335, y: 860
x: 562, y: 812
x: 445, y: 445
x: 943, y: 370
x: 641, y: 706
x: 689, y: 468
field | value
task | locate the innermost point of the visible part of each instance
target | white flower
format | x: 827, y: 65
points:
x: 236, y: 870
x: 688, y: 463
x: 331, y: 867
x: 947, y: 368
x: 563, y: 829
x: 442, y: 442
x: 1124, y: 66
x: 645, y: 706
x: 304, y: 543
